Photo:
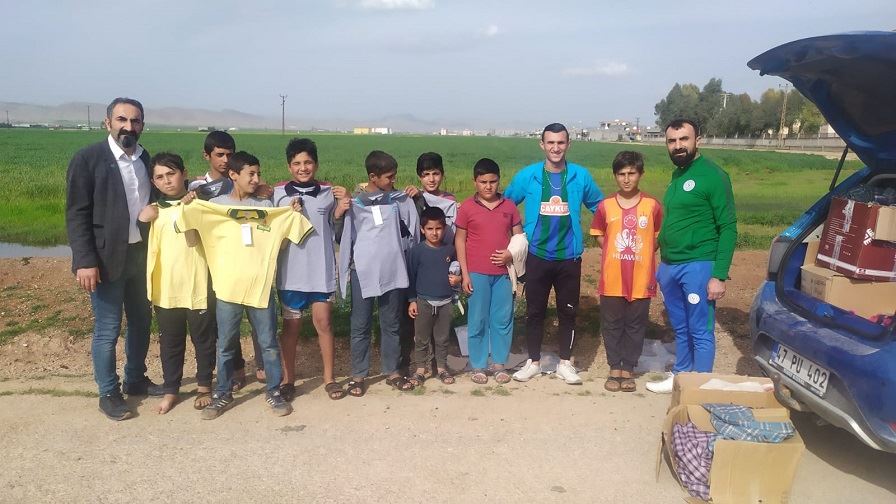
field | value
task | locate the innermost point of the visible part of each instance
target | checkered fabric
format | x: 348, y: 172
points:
x: 693, y: 456
x: 736, y: 422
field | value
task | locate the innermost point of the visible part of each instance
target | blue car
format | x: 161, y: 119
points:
x: 822, y: 358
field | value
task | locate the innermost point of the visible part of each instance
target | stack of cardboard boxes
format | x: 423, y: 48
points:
x: 741, y: 471
x: 853, y: 266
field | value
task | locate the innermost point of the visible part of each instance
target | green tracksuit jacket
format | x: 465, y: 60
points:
x: 699, y: 222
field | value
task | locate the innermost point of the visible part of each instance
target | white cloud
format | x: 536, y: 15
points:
x: 397, y: 4
x: 490, y: 30
x: 607, y: 68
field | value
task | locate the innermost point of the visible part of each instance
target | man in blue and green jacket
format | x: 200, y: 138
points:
x: 554, y: 191
x: 696, y: 246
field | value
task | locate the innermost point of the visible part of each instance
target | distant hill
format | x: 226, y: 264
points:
x: 75, y: 113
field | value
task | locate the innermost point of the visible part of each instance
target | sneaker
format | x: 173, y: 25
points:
x: 288, y: 392
x: 278, y: 406
x: 142, y: 388
x: 567, y: 372
x: 528, y: 372
x: 113, y: 406
x: 663, y: 386
x: 220, y: 402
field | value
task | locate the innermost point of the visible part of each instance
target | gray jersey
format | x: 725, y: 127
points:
x: 207, y: 189
x: 251, y: 201
x: 311, y: 265
x: 448, y: 206
x: 375, y: 239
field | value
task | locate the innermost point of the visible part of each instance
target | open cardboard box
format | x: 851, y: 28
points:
x: 742, y: 471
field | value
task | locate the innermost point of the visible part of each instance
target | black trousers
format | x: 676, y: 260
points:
x: 565, y: 278
x: 173, y: 324
x: 623, y: 324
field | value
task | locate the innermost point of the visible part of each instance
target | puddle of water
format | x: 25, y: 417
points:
x: 11, y: 250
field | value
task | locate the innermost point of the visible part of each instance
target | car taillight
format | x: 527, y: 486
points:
x: 775, y: 255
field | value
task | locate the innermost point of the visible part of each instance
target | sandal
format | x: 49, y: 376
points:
x: 628, y: 385
x: 479, y: 376
x: 202, y: 400
x: 417, y: 379
x: 613, y: 383
x: 356, y: 388
x: 335, y: 391
x: 501, y: 375
x: 446, y: 377
x: 400, y: 383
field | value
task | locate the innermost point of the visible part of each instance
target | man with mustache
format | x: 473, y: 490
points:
x: 696, y: 246
x: 107, y: 186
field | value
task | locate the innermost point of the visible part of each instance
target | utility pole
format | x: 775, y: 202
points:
x: 283, y: 114
x: 785, y: 87
x: 725, y: 100
x: 88, y: 118
x: 7, y: 118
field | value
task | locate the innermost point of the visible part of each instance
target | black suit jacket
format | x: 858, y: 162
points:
x: 96, y: 210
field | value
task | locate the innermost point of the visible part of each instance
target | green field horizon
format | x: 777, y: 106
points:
x: 771, y: 189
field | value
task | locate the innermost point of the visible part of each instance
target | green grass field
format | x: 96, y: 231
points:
x: 771, y: 189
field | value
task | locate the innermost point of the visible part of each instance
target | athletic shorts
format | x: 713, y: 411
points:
x: 293, y: 302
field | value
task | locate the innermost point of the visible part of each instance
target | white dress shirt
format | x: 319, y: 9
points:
x: 136, y: 185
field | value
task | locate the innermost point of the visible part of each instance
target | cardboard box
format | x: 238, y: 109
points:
x: 811, y: 252
x: 849, y: 243
x: 885, y: 228
x: 686, y: 390
x: 863, y: 297
x: 741, y: 471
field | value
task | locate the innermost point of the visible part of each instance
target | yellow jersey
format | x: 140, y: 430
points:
x: 176, y: 271
x: 241, y: 245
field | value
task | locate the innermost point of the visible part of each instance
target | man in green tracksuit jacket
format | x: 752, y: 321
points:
x: 696, y: 245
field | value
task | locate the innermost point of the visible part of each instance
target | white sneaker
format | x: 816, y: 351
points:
x: 662, y: 387
x: 567, y: 372
x: 528, y: 372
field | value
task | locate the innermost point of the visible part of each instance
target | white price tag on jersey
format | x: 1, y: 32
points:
x: 377, y: 215
x: 247, y: 234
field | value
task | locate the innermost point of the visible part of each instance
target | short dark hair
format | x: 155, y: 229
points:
x: 555, y: 128
x: 219, y: 139
x: 168, y: 160
x: 679, y: 123
x: 127, y: 101
x: 628, y: 158
x: 380, y: 163
x: 432, y: 214
x: 485, y: 166
x: 429, y: 161
x: 241, y: 159
x: 297, y: 146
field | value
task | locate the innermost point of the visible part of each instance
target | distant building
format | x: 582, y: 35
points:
x: 381, y: 131
x: 361, y: 131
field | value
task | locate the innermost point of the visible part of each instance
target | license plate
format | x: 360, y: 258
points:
x: 810, y: 374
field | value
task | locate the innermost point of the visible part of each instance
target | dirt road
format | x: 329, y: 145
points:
x: 542, y: 441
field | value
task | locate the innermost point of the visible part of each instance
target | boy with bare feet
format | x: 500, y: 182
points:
x: 177, y: 286
x: 626, y: 225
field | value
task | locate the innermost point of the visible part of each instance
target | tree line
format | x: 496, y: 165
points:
x: 737, y: 115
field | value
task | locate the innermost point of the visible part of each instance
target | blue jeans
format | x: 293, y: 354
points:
x: 390, y: 305
x: 127, y: 291
x: 490, y: 319
x: 692, y: 317
x: 264, y: 320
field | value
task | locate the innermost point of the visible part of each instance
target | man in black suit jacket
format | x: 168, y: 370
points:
x: 108, y: 184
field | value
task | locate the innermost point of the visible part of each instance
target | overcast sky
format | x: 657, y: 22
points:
x: 485, y: 62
